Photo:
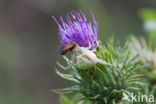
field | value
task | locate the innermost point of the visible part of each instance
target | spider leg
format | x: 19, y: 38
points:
x: 66, y: 59
x: 64, y: 67
x: 94, y: 50
x: 89, y: 46
x: 102, y: 62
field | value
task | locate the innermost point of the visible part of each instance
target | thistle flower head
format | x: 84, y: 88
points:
x: 77, y: 29
x: 104, y: 84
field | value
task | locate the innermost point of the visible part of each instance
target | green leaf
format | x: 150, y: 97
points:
x: 65, y: 100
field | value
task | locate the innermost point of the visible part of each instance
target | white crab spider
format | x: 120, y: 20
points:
x: 81, y: 57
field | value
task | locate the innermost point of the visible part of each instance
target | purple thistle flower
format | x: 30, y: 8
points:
x: 78, y: 30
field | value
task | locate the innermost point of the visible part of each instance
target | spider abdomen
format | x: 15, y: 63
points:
x: 85, y: 61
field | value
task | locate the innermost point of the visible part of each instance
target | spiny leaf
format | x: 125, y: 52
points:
x: 133, y: 88
x: 68, y: 77
x: 72, y: 90
x: 137, y: 83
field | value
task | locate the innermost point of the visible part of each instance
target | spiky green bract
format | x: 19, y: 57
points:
x: 104, y: 84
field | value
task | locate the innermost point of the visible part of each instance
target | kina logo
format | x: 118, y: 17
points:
x: 131, y: 97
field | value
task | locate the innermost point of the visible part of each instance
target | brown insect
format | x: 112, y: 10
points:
x: 65, y: 48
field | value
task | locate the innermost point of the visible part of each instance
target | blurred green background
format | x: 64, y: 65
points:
x: 29, y: 45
